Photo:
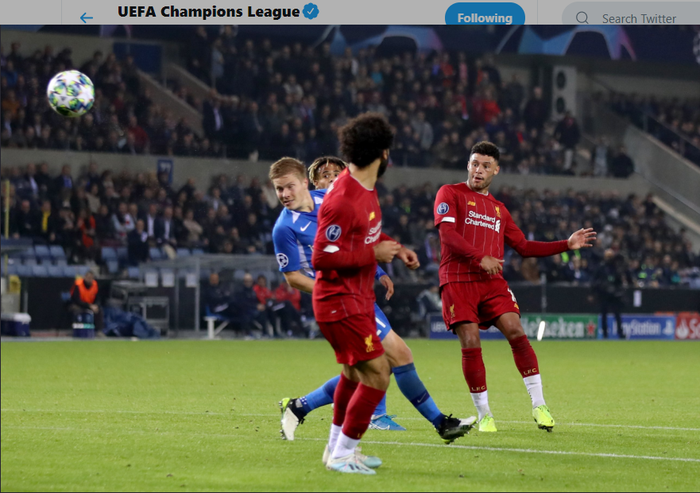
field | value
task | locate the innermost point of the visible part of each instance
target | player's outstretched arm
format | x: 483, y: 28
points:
x: 515, y: 239
x: 299, y: 281
x: 583, y: 238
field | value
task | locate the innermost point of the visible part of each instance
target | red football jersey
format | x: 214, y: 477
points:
x: 349, y: 226
x: 485, y: 224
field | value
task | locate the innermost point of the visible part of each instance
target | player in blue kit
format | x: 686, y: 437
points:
x: 293, y: 237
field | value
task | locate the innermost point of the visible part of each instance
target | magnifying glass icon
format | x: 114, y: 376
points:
x: 582, y: 18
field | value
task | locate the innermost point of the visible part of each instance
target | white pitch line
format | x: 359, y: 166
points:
x: 371, y: 442
x: 637, y: 427
x: 266, y: 415
x: 519, y: 450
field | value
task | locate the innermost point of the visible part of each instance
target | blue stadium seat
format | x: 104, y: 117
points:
x: 28, y: 253
x: 155, y: 253
x: 183, y: 252
x: 24, y: 270
x: 81, y: 270
x: 55, y: 270
x: 197, y: 251
x: 112, y: 266
x: 60, y: 262
x: 108, y: 253
x: 69, y: 271
x: 122, y: 253
x: 40, y: 271
x: 30, y: 261
x: 57, y: 252
x: 16, y: 254
x: 42, y: 252
x: 12, y: 269
x: 134, y: 273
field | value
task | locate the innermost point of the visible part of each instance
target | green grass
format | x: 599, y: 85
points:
x: 200, y: 415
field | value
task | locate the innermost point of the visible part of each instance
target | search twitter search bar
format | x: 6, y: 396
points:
x: 632, y: 13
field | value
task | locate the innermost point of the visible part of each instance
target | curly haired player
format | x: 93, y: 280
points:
x: 473, y: 228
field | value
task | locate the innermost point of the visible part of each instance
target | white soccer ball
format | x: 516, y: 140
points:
x: 71, y: 93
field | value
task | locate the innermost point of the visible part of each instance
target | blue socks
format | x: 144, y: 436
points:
x: 381, y: 407
x: 322, y: 396
x: 413, y: 389
x: 406, y: 378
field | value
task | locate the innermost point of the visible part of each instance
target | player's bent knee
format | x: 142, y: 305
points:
x: 397, y: 351
x: 468, y: 335
x: 513, y: 331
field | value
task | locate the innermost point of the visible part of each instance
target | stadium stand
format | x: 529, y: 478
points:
x: 675, y: 122
x: 290, y: 101
x: 236, y: 215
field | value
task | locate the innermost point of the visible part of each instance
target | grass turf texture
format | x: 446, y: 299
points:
x: 201, y: 415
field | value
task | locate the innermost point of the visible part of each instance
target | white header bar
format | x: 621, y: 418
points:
x: 334, y: 12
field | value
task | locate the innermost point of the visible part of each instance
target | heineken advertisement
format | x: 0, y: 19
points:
x: 557, y: 326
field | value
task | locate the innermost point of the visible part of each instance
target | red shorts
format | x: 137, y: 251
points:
x: 354, y: 338
x: 480, y: 302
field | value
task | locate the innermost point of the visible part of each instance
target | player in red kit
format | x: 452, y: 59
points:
x: 473, y: 228
x: 349, y: 243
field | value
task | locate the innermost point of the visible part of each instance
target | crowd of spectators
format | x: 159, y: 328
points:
x: 236, y: 216
x: 290, y: 100
x: 140, y: 211
x: 673, y: 121
x: 268, y: 102
x: 123, y: 119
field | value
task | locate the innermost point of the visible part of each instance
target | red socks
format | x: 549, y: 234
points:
x: 360, y: 409
x: 474, y: 370
x: 524, y: 356
x: 341, y: 399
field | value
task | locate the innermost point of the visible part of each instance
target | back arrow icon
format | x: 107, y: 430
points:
x: 82, y: 18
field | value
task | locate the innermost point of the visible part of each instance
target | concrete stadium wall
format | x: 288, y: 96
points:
x: 677, y: 177
x: 203, y: 169
x: 666, y: 173
x: 664, y: 87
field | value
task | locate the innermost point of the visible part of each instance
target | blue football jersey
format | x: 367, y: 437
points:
x: 293, y: 237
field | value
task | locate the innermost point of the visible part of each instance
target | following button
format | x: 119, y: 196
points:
x: 464, y: 13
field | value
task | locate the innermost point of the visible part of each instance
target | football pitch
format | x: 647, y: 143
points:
x: 202, y: 415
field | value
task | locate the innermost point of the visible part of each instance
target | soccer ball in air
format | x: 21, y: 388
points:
x: 71, y: 93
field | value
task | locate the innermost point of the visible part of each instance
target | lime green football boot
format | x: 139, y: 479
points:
x: 543, y: 418
x: 487, y: 424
